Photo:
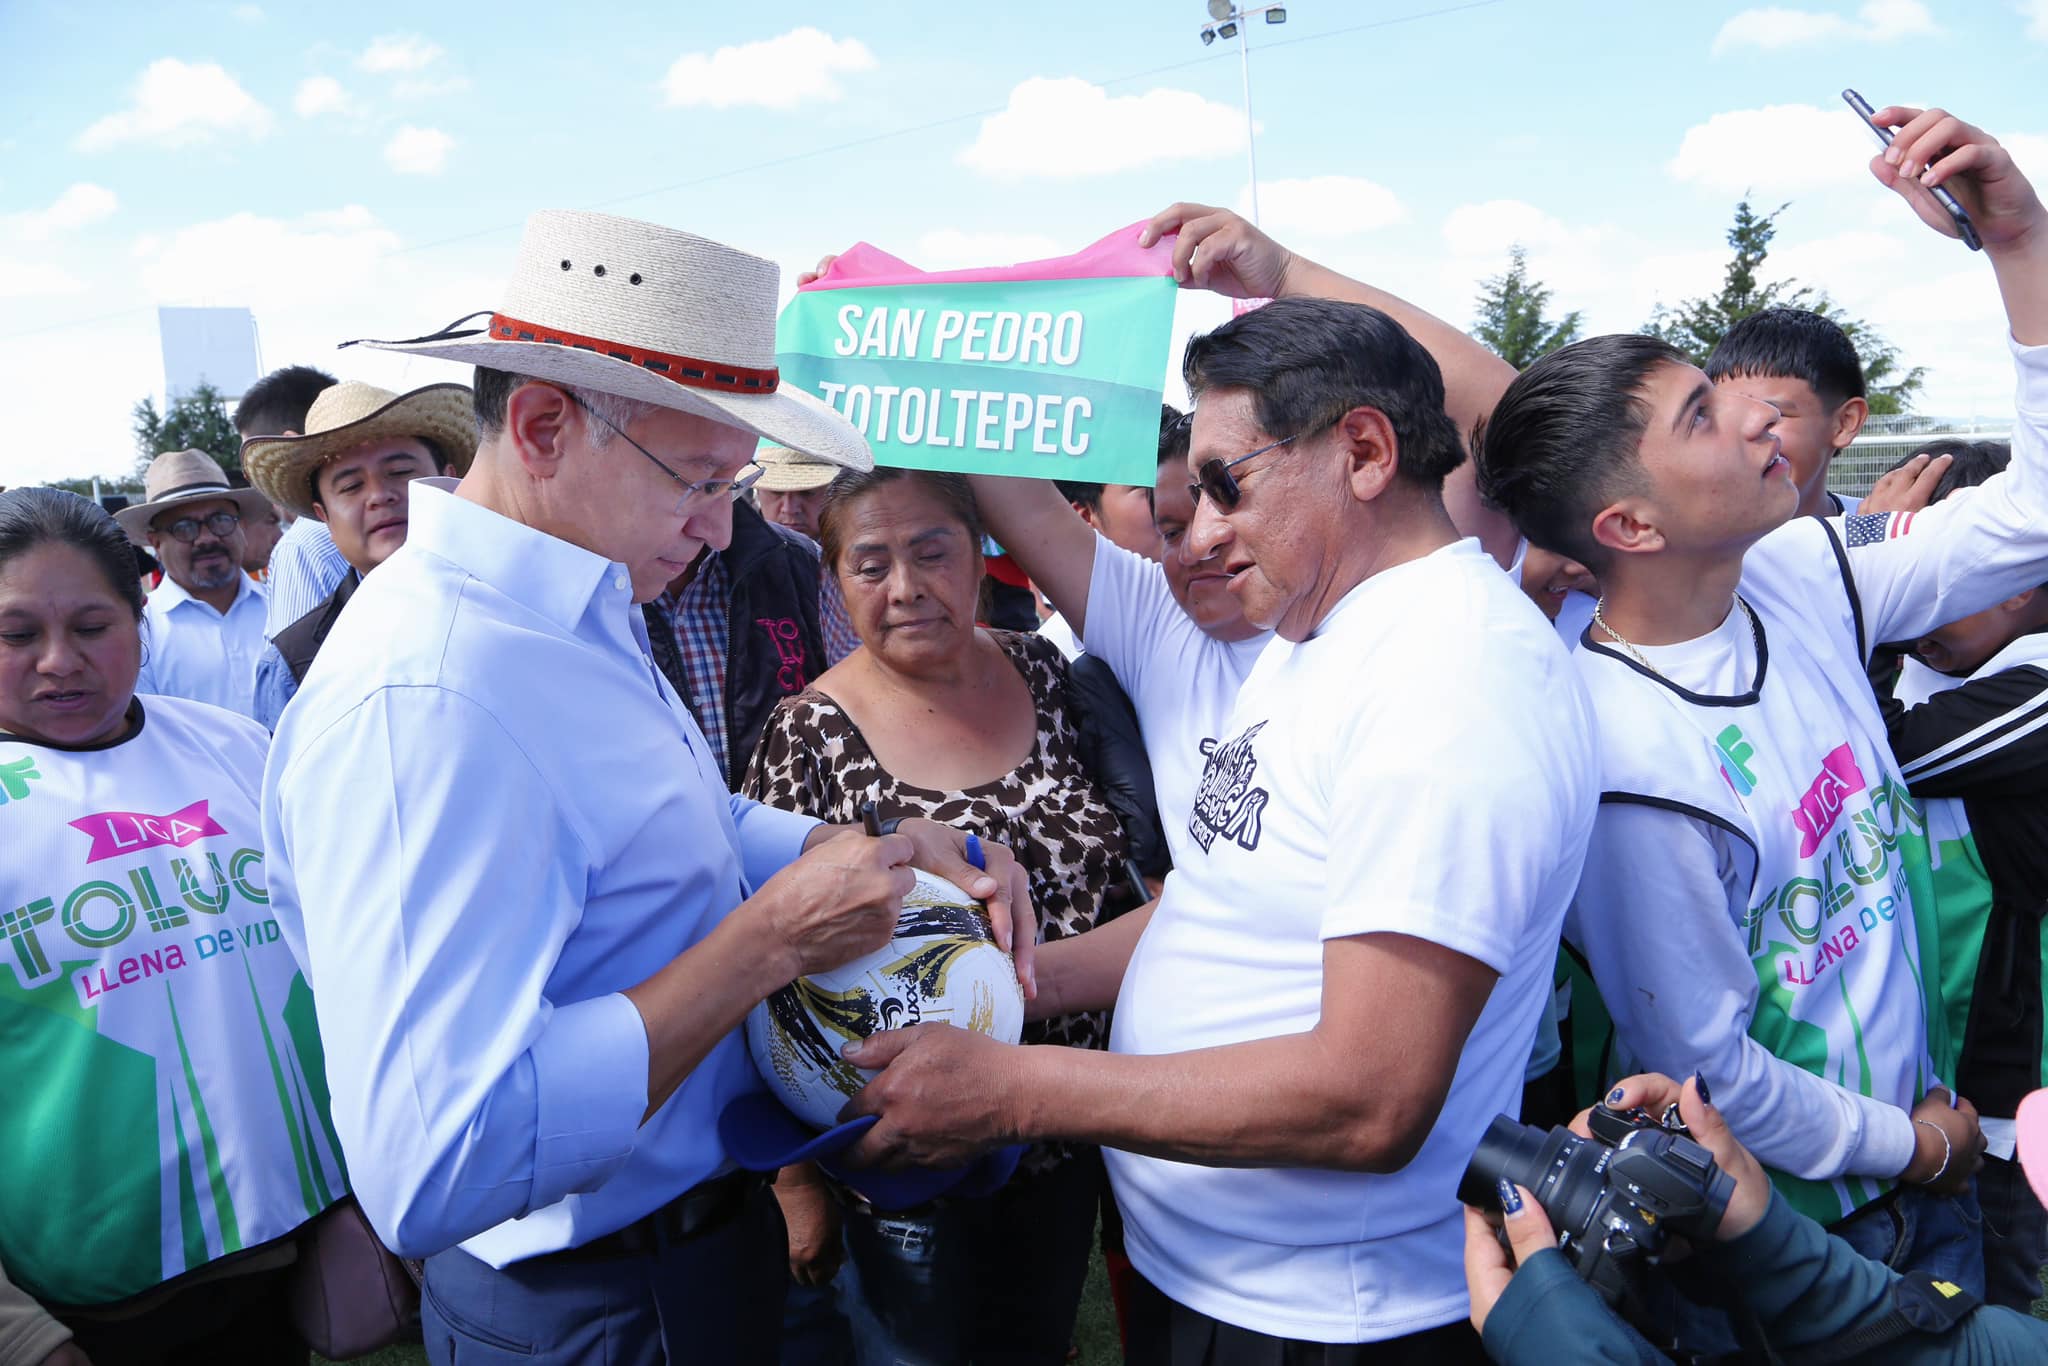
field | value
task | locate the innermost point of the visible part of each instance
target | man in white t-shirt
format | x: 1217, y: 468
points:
x: 1756, y: 901
x: 1337, y: 990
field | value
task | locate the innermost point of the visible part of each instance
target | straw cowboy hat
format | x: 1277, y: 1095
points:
x: 179, y: 477
x: 648, y: 313
x: 786, y: 471
x: 349, y: 415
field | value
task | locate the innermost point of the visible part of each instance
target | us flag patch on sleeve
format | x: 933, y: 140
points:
x: 1867, y: 528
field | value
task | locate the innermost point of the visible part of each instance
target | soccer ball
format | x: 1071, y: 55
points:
x: 943, y: 966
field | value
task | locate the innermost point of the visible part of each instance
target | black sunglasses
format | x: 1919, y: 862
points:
x: 1215, y: 479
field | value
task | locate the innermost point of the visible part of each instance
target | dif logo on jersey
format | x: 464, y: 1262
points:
x: 15, y: 777
x: 1736, y: 752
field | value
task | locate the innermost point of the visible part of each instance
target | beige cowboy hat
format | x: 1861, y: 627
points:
x: 786, y: 471
x: 349, y: 415
x: 183, y: 477
x: 648, y: 313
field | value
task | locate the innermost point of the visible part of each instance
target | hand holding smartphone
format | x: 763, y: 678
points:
x: 1967, y: 229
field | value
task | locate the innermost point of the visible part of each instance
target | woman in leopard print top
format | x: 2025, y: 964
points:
x: 934, y: 717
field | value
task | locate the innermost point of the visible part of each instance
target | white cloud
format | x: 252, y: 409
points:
x: 175, y: 104
x: 249, y: 14
x: 1066, y: 127
x: 397, y: 53
x: 30, y: 279
x: 952, y: 249
x: 418, y: 151
x: 1323, y: 206
x: 319, y: 95
x: 776, y: 73
x: 2035, y: 12
x: 78, y: 206
x: 247, y: 259
x: 1777, y: 149
x: 1772, y: 28
x: 2029, y: 150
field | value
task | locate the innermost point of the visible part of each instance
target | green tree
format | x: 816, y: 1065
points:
x: 197, y: 421
x: 1511, y: 319
x: 109, y: 483
x: 1696, y: 326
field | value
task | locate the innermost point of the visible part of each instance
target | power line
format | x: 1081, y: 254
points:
x: 747, y: 168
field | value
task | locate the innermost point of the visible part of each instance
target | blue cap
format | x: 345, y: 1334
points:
x: 760, y: 1134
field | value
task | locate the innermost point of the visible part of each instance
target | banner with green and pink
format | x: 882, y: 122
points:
x: 1051, y: 369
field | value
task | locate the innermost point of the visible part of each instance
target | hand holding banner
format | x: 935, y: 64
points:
x: 1051, y: 369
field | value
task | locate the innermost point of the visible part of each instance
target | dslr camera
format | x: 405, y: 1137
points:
x: 1615, y: 1199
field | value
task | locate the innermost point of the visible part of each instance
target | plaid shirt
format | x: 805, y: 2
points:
x: 697, y: 616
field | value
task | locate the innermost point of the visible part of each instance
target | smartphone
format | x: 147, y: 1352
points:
x: 1940, y: 192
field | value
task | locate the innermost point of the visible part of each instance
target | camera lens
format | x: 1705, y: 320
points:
x: 1566, y: 1173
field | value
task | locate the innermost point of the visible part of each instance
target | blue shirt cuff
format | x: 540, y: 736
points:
x: 770, y: 839
x: 590, y: 1080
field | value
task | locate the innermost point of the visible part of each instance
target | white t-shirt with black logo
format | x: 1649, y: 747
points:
x: 1181, y: 682
x: 1423, y: 765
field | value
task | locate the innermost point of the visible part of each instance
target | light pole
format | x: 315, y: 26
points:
x: 1227, y: 22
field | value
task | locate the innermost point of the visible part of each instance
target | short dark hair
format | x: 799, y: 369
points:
x: 1563, y: 441
x: 33, y: 517
x: 1088, y: 495
x: 853, y: 485
x: 1791, y: 343
x: 1176, y: 428
x: 278, y: 402
x: 1307, y: 362
x: 1971, y: 462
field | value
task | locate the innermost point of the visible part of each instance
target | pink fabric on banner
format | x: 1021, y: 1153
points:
x: 1116, y: 256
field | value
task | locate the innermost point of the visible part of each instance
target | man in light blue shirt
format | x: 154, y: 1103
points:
x: 305, y: 567
x: 531, y: 912
x: 202, y: 629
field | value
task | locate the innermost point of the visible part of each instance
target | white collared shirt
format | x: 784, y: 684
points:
x: 486, y: 814
x: 194, y: 651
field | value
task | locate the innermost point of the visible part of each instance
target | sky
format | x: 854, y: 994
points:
x: 363, y: 170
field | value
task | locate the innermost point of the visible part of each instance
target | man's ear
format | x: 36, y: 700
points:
x: 320, y: 511
x: 1623, y: 528
x: 537, y: 418
x: 1373, y: 450
x: 1087, y: 514
x: 1849, y: 420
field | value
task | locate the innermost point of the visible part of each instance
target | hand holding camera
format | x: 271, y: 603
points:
x: 1653, y: 1162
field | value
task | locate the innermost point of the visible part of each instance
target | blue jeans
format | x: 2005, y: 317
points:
x: 1917, y: 1230
x: 714, y: 1298
x: 994, y: 1281
x: 2015, y: 1236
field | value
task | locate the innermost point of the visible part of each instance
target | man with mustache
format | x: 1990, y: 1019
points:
x: 352, y: 472
x: 203, y: 627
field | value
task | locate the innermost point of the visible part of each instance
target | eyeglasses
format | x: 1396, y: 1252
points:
x: 692, y: 488
x: 1215, y: 479
x: 186, y: 529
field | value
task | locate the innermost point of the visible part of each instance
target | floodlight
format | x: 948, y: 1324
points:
x: 1228, y: 30
x: 1277, y: 15
x: 1208, y: 36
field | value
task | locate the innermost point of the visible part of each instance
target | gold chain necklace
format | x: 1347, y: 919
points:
x: 1756, y: 633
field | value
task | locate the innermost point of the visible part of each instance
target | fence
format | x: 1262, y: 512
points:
x: 1887, y: 440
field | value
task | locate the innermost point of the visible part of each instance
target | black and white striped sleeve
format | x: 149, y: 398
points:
x: 1985, y: 738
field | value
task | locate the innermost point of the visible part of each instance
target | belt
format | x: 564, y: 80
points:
x: 700, y: 1210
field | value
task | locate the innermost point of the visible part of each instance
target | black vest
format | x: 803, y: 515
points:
x: 301, y: 640
x: 773, y: 644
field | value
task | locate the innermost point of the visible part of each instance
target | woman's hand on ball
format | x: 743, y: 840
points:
x: 942, y: 1098
x: 840, y: 900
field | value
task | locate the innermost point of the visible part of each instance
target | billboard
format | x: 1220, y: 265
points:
x: 215, y: 346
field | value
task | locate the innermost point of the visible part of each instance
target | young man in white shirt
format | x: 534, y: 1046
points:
x: 1393, y: 811
x: 1755, y: 903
